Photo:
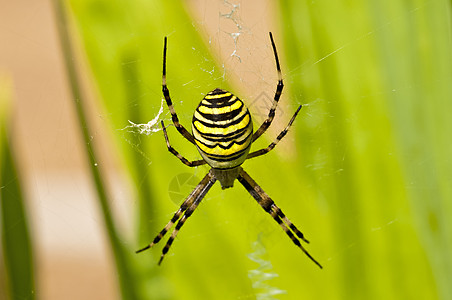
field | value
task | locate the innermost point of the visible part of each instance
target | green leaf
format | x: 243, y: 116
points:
x: 376, y: 140
x: 17, y: 248
x: 125, y: 271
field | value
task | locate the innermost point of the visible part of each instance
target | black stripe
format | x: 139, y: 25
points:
x: 218, y: 97
x: 217, y: 91
x: 219, y: 103
x: 227, y: 146
x: 235, y: 122
x: 222, y: 139
x: 222, y: 117
x: 225, y: 158
x: 220, y: 136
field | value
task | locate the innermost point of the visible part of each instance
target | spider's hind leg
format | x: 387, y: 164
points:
x: 188, y: 202
x: 187, y: 208
x: 270, y: 207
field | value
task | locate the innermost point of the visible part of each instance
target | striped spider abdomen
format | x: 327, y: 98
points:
x: 222, y: 129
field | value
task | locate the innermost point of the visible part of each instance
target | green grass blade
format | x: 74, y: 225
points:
x: 375, y: 140
x: 17, y: 247
x: 125, y: 272
x: 423, y: 124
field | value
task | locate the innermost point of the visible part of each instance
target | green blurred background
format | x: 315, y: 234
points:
x: 365, y: 171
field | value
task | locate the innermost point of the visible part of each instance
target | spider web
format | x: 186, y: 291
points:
x: 146, y: 128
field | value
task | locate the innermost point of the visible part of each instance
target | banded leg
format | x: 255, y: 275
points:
x: 175, y: 153
x: 196, y: 195
x: 270, y: 207
x: 203, y: 189
x: 280, y: 136
x: 286, y: 220
x: 279, y: 88
x: 166, y: 94
x: 188, y: 202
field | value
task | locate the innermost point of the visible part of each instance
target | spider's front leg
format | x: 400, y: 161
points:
x: 166, y: 94
x: 270, y: 207
x: 187, y: 208
x: 175, y: 153
x: 278, y: 138
x: 279, y: 89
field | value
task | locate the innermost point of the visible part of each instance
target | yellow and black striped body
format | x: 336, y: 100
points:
x: 222, y: 129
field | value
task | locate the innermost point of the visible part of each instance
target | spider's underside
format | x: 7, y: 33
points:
x: 222, y: 131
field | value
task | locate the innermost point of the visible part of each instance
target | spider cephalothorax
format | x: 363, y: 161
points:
x: 222, y: 131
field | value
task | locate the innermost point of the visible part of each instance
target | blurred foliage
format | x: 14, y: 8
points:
x: 123, y: 266
x: 378, y: 139
x: 17, y: 277
x: 371, y: 184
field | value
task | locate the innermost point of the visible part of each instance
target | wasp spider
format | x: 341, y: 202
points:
x: 222, y: 131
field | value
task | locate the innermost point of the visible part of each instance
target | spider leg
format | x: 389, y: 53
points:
x: 166, y: 94
x: 280, y: 136
x: 195, y: 197
x: 286, y: 220
x: 187, y: 203
x: 279, y: 88
x: 202, y: 188
x: 270, y: 207
x: 175, y: 153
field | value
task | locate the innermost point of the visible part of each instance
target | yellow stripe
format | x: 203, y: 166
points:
x: 242, y: 137
x: 217, y: 96
x: 224, y: 122
x: 218, y: 130
x: 220, y: 110
x: 220, y: 151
